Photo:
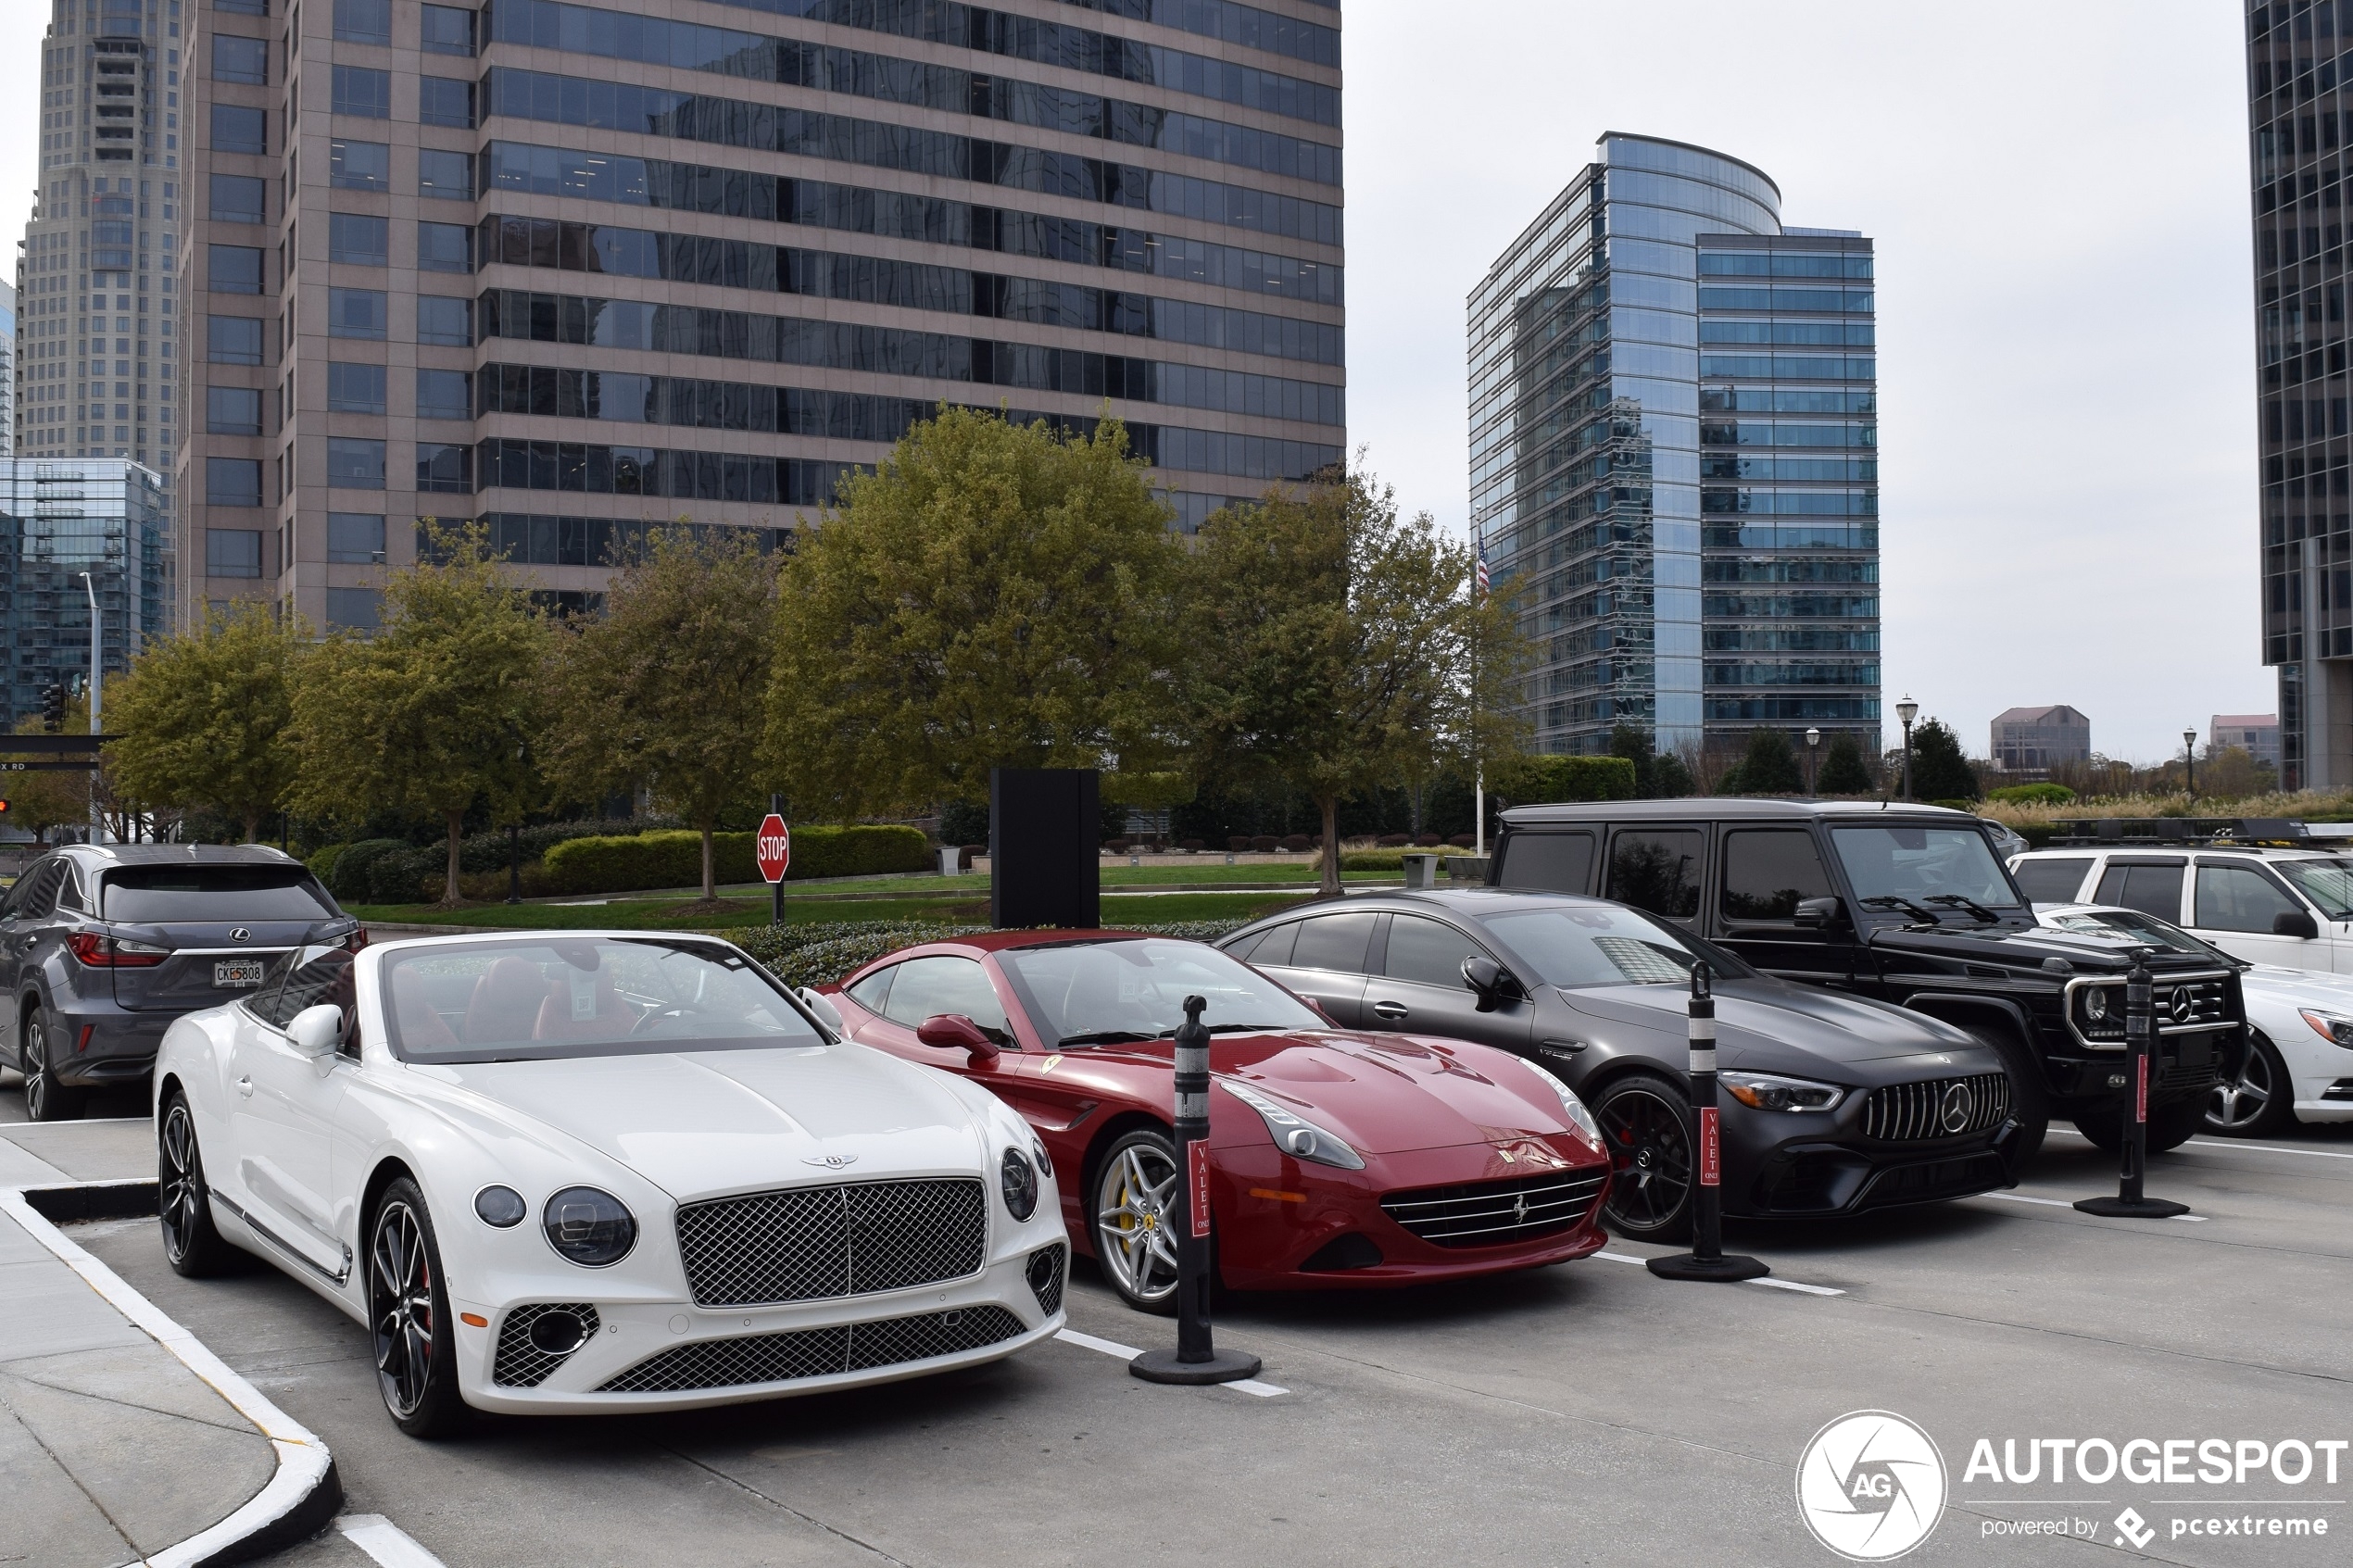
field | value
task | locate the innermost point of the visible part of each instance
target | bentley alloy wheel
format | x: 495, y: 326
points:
x: 1135, y: 1219
x: 408, y: 1311
x: 182, y: 1202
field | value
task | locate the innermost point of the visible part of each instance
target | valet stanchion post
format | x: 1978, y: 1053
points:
x: 1195, y: 1359
x: 1705, y: 1260
x: 2140, y: 1040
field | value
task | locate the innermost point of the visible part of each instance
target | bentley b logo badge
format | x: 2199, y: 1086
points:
x: 831, y: 1161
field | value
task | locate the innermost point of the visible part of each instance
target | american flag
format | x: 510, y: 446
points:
x: 1478, y: 545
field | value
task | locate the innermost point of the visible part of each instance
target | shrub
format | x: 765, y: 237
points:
x: 1265, y: 844
x: 1429, y: 841
x: 1464, y: 841
x: 1543, y: 779
x: 1118, y: 846
x: 323, y: 863
x: 2036, y: 794
x: 1193, y: 844
x: 1296, y: 842
x: 963, y: 822
x: 350, y: 881
x: 674, y: 859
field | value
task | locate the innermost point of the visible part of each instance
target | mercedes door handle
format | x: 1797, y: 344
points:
x: 245, y: 1087
x: 1391, y: 1010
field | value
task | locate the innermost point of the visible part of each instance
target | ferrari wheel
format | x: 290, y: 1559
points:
x: 409, y: 1310
x: 45, y: 1099
x: 1646, y: 1128
x: 191, y: 1245
x: 2256, y: 1102
x: 1135, y: 1220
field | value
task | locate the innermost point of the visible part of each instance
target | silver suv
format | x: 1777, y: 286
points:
x: 2289, y: 904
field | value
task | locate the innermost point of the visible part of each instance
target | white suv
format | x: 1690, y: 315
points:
x: 2292, y: 908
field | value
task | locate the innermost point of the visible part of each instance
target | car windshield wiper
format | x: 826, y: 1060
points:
x: 1956, y: 902
x: 1106, y: 1037
x: 1890, y: 901
x: 1229, y: 1029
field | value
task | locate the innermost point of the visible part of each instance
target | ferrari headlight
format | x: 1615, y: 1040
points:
x: 1018, y: 1180
x: 1572, y: 1108
x: 2333, y: 1027
x: 1294, y: 1134
x: 1767, y: 1091
x: 592, y: 1228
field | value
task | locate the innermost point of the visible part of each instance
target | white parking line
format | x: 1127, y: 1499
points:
x: 1768, y: 1282
x: 2229, y: 1144
x: 384, y: 1541
x: 2063, y: 1204
x: 1129, y: 1353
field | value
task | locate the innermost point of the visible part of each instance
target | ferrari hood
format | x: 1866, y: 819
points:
x: 697, y: 1123
x: 1386, y: 1094
x: 1767, y: 1018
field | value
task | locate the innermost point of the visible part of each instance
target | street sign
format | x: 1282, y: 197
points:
x: 773, y: 849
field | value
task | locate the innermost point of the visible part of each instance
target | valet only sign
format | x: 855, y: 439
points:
x: 1872, y: 1486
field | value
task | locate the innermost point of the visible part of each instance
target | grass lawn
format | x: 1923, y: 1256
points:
x: 955, y: 907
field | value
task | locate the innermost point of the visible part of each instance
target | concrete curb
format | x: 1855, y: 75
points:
x: 304, y: 1492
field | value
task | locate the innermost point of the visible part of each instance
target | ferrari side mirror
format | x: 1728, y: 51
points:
x: 953, y: 1031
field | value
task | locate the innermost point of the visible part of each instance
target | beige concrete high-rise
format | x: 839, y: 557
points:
x: 574, y: 269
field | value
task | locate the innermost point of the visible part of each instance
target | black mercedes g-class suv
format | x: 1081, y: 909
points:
x: 1911, y: 905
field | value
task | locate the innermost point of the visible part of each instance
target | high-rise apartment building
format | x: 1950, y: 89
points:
x: 97, y: 339
x: 63, y: 519
x: 1674, y: 429
x: 571, y: 267
x: 2300, y: 121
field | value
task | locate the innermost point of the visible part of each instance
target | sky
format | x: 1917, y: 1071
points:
x: 2058, y: 197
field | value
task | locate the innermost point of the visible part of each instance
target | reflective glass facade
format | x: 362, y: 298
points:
x: 1673, y: 428
x: 446, y: 252
x: 59, y: 519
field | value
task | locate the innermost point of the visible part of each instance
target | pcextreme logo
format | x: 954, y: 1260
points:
x: 1870, y: 1485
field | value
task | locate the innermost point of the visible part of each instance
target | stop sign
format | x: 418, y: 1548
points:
x: 773, y: 849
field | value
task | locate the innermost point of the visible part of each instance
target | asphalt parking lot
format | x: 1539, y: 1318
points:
x: 1588, y: 1414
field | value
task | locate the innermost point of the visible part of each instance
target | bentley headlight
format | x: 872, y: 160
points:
x: 2333, y: 1027
x: 1767, y: 1091
x: 1294, y: 1134
x: 592, y: 1228
x: 1018, y: 1180
x: 1571, y: 1107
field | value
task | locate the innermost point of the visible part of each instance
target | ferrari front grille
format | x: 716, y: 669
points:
x: 1491, y: 1213
x: 853, y: 1238
x: 1937, y: 1108
x: 815, y: 1352
x: 536, y: 1340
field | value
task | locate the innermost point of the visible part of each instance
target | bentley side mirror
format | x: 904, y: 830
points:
x: 953, y: 1031
x: 316, y: 1030
x: 2296, y: 923
x: 1814, y: 914
x: 1489, y: 981
x: 822, y: 1005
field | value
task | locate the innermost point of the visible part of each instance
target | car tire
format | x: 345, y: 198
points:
x: 183, y: 1201
x: 45, y: 1099
x: 2029, y: 1096
x: 1646, y: 1127
x: 409, y: 1321
x: 2171, y: 1127
x: 1131, y: 1212
x: 2260, y: 1102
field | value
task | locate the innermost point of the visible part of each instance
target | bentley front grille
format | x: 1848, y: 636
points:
x: 815, y: 1352
x: 1937, y: 1108
x: 853, y: 1238
x: 1491, y: 1213
x: 536, y: 1340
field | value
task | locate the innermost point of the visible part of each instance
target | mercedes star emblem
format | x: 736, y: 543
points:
x: 1955, y: 1113
x: 2184, y: 1004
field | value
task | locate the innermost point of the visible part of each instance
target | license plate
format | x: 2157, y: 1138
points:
x: 237, y: 972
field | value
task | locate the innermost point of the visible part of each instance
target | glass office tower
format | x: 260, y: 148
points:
x: 576, y: 268
x: 1673, y: 422
x: 62, y: 517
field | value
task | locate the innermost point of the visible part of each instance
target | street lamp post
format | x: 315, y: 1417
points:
x: 1813, y: 746
x: 97, y: 817
x: 2189, y: 762
x: 1906, y: 711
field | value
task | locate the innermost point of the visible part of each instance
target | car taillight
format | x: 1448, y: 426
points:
x: 100, y: 951
x: 357, y: 940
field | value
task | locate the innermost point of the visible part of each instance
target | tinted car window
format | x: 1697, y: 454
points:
x: 925, y: 988
x: 2328, y: 884
x: 2154, y: 890
x: 214, y: 893
x: 1553, y: 863
x: 319, y: 975
x: 874, y: 991
x: 1921, y: 862
x: 1273, y: 947
x: 1594, y: 945
x: 1656, y: 870
x: 36, y: 892
x: 1766, y: 873
x: 1137, y: 989
x: 1333, y: 942
x: 2054, y: 881
x: 2239, y: 899
x: 70, y: 890
x: 1427, y: 952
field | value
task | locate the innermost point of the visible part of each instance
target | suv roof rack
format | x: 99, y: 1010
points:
x: 2239, y: 832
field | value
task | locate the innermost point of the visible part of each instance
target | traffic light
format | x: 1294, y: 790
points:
x: 53, y: 707
x: 3, y: 808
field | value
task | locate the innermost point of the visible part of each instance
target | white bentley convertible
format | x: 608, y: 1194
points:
x: 600, y: 1171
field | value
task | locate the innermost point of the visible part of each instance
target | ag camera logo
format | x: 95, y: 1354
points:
x: 1870, y: 1485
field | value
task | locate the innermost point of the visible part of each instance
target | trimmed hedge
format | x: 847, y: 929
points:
x: 1542, y: 780
x: 2036, y: 794
x: 673, y: 858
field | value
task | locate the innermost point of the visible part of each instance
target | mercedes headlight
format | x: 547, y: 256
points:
x: 2333, y: 1027
x: 1294, y: 1134
x: 1017, y: 1178
x: 1571, y: 1107
x: 1767, y: 1091
x: 592, y: 1228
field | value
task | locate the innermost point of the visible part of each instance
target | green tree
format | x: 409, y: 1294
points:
x: 1843, y: 770
x: 203, y: 717
x: 1335, y: 646
x: 430, y: 714
x: 39, y: 801
x: 1768, y: 767
x: 1658, y: 775
x: 994, y: 596
x: 667, y: 689
x: 1940, y: 770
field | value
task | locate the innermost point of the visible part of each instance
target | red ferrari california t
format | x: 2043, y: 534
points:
x: 1335, y: 1159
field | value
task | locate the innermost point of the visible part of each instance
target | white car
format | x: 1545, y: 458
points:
x: 2299, y: 1025
x: 565, y: 1172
